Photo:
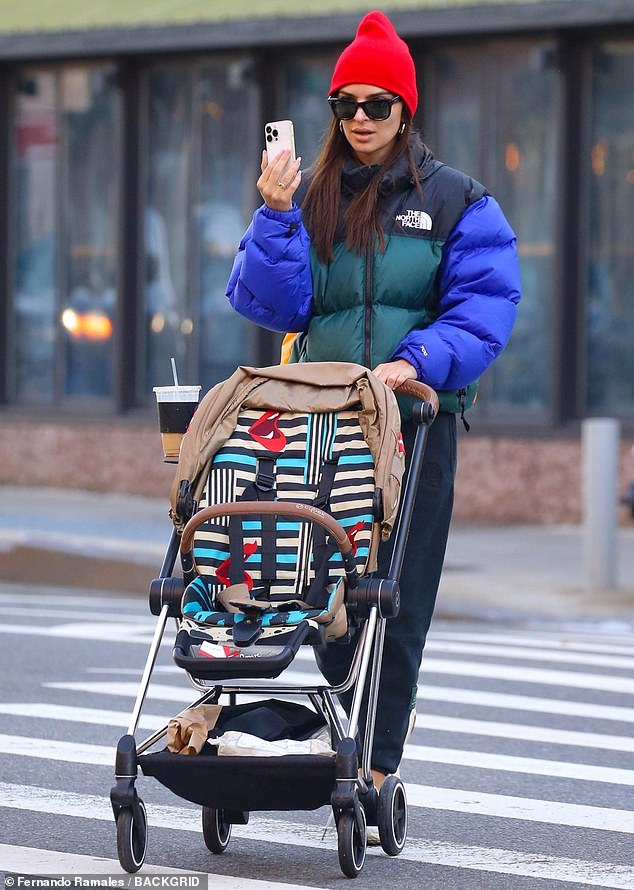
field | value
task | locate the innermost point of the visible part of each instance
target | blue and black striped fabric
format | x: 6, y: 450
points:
x: 200, y: 606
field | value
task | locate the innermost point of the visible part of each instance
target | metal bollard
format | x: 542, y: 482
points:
x: 600, y: 447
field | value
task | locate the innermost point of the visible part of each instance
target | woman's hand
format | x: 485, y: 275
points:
x: 279, y: 180
x: 396, y: 372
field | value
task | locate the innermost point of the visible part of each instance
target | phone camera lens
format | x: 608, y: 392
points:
x: 268, y: 129
x: 275, y: 133
x: 269, y: 138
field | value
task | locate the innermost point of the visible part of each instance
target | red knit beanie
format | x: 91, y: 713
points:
x: 378, y: 56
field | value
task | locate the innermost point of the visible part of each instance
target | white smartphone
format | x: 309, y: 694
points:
x: 279, y: 135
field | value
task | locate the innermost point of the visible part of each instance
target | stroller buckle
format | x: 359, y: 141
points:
x: 265, y: 481
x: 246, y: 632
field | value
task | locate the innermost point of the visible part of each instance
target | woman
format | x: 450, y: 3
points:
x: 399, y: 263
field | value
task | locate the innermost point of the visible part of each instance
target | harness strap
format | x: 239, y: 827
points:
x: 262, y: 489
x: 323, y: 546
x: 265, y: 491
x: 236, y: 544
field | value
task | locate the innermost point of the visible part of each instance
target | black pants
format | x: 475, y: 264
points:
x: 405, y: 635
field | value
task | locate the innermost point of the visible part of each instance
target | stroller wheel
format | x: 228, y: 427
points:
x: 392, y: 815
x: 216, y: 830
x: 351, y: 842
x: 132, y: 837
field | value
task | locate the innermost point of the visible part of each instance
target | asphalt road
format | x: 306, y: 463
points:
x: 519, y: 775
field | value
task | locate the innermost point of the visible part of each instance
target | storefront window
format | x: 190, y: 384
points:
x: 89, y: 296
x: 230, y: 140
x: 36, y: 152
x: 609, y: 316
x: 495, y: 118
x: 168, y: 317
x: 307, y: 82
x: 65, y: 258
x: 457, y: 109
x: 201, y: 160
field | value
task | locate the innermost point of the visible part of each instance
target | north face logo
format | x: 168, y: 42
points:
x: 415, y: 219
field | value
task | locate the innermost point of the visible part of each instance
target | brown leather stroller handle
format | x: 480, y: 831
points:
x: 419, y: 391
x: 291, y: 508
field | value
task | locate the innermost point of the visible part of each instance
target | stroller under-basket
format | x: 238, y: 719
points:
x: 288, y: 477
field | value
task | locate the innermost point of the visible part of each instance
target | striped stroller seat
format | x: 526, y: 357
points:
x: 292, y: 440
x: 287, y: 566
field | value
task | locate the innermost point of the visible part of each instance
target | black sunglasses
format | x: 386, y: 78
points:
x: 375, y: 109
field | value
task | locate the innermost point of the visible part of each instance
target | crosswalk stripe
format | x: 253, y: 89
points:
x: 164, y: 691
x: 30, y: 600
x: 530, y: 765
x: 106, y: 633
x: 75, y: 714
x: 604, y: 632
x: 561, y: 642
x: 22, y: 860
x: 146, y: 624
x: 526, y: 653
x: 104, y: 755
x: 134, y: 672
x: 481, y: 698
x: 527, y: 733
x: 52, y: 749
x: 517, y: 674
x: 270, y: 831
x: 479, y: 803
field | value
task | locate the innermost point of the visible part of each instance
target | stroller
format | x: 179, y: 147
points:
x: 288, y: 477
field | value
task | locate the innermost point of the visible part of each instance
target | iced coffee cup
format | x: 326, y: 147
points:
x: 176, y: 406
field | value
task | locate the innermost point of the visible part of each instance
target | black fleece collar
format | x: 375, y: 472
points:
x: 355, y: 177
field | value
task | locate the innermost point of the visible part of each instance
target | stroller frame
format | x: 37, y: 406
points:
x: 354, y: 798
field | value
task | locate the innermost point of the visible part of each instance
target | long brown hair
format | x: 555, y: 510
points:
x: 320, y: 207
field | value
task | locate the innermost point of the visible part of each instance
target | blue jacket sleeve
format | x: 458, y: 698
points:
x: 270, y: 283
x: 479, y: 291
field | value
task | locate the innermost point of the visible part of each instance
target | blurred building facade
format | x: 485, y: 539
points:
x: 130, y: 149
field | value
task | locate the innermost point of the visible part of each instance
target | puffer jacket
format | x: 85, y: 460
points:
x: 443, y: 295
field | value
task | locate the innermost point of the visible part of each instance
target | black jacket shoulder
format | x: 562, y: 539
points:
x: 447, y: 192
x: 460, y: 186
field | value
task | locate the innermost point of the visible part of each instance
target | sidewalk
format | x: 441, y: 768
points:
x: 114, y: 542
x: 524, y: 572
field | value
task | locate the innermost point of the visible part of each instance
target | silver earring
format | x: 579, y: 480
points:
x: 341, y: 126
x: 401, y: 129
